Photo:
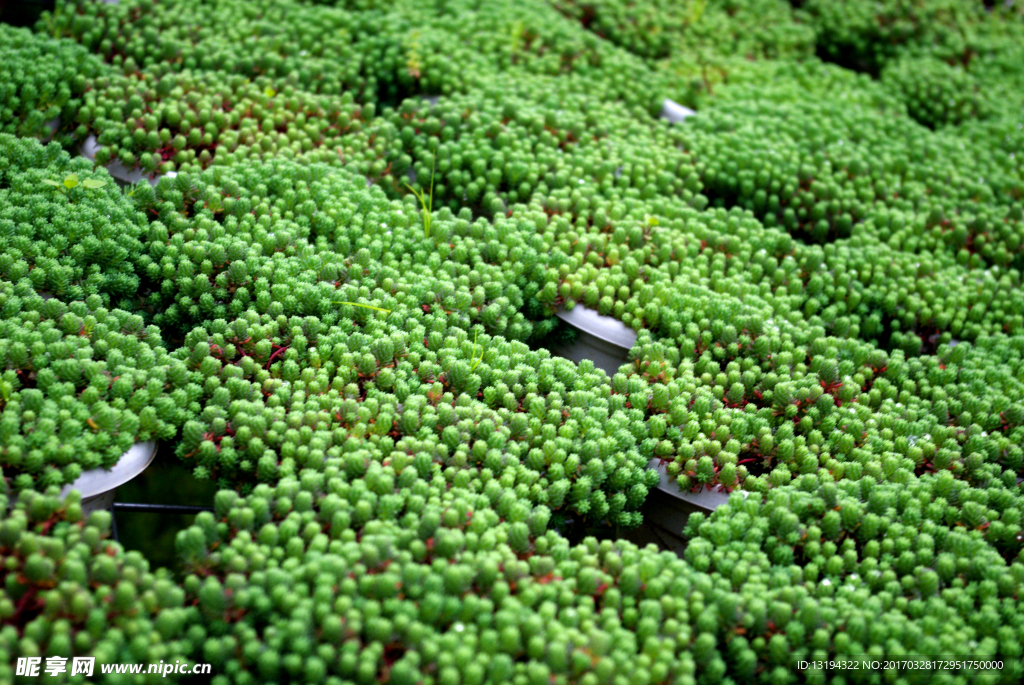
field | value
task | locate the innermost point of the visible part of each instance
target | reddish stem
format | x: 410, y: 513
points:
x: 276, y: 352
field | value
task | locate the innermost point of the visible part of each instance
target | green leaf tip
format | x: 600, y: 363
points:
x: 366, y: 306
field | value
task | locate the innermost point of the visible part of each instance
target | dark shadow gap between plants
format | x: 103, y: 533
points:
x: 166, y: 481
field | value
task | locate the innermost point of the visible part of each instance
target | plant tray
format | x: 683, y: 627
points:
x: 98, y: 486
x: 604, y: 340
x: 122, y: 175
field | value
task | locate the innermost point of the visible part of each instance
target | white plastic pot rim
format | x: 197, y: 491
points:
x: 97, y: 481
x: 705, y: 499
x: 675, y: 112
x: 606, y: 328
x: 118, y: 170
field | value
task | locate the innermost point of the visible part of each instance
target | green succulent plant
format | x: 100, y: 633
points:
x: 822, y: 268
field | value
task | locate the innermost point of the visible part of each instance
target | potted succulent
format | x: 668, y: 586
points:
x: 83, y: 378
x: 48, y: 541
x: 70, y: 255
x: 606, y: 342
x: 82, y: 386
x: 208, y: 119
x: 357, y: 315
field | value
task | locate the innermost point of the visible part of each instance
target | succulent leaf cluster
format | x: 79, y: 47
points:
x: 41, y: 83
x: 510, y: 147
x: 287, y: 239
x: 785, y: 343
x: 822, y: 266
x: 159, y: 120
x: 81, y: 385
x: 290, y: 394
x: 314, y: 49
x: 873, y: 555
x: 64, y: 227
x: 70, y: 590
x: 296, y: 579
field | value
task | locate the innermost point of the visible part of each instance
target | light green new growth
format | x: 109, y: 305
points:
x: 517, y: 38
x: 427, y: 207
x: 694, y: 10
x: 482, y: 350
x: 366, y: 306
x: 52, y: 28
x: 71, y: 181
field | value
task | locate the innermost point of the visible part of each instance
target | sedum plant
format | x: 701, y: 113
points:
x: 936, y: 93
x: 287, y: 395
x: 69, y: 590
x: 823, y: 269
x: 747, y: 361
x: 312, y: 49
x: 163, y: 121
x: 430, y: 583
x: 81, y: 384
x: 836, y: 549
x: 289, y: 239
x: 65, y: 229
x: 649, y: 30
x: 487, y: 156
x: 41, y: 83
x: 420, y: 584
